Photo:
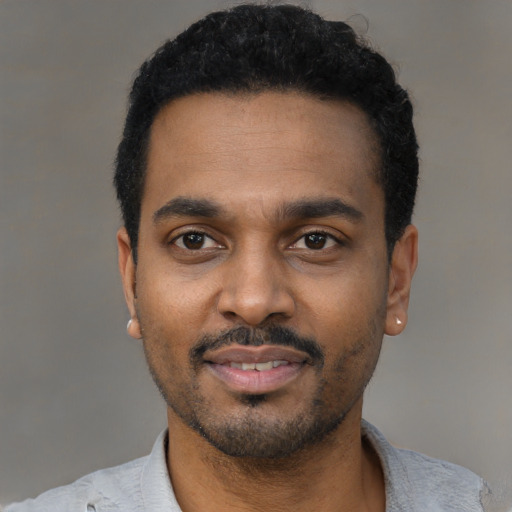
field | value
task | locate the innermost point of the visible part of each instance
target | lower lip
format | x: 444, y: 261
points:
x: 254, y: 382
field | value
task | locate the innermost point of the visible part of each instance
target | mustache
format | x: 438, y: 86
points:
x: 271, y: 335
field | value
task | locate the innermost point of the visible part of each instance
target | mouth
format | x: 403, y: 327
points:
x: 256, y: 370
x: 260, y: 367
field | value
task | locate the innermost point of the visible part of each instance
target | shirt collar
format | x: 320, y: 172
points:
x: 396, y: 478
x: 155, y: 484
x: 158, y: 496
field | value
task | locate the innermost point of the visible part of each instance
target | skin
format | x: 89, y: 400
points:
x: 327, y: 278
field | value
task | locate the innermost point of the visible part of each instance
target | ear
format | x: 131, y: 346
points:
x: 128, y: 268
x: 403, y: 264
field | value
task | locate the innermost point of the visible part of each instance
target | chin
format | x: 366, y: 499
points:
x: 258, y: 433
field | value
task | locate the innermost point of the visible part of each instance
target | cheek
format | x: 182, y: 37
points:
x: 172, y: 314
x: 346, y: 305
x: 162, y: 314
x: 166, y: 299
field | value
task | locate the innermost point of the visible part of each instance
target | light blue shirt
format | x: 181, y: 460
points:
x: 414, y: 483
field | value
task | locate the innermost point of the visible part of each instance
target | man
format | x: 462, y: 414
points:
x: 267, y: 176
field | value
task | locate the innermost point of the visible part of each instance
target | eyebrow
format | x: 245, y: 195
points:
x: 301, y: 209
x: 187, y: 207
x: 324, y: 207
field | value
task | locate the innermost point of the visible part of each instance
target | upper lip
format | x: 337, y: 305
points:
x: 252, y: 354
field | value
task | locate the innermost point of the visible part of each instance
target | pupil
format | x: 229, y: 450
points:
x: 193, y: 241
x: 315, y: 241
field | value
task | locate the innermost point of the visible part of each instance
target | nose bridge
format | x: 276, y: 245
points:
x: 254, y: 286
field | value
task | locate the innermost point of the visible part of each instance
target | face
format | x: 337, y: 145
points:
x: 262, y: 287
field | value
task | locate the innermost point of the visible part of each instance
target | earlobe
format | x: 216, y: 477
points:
x: 127, y: 269
x: 403, y: 265
x: 133, y: 328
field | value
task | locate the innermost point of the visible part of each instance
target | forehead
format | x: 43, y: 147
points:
x: 262, y: 146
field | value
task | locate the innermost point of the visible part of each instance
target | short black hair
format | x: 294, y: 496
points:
x: 253, y: 48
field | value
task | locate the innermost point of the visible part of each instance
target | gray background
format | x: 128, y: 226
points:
x: 74, y: 391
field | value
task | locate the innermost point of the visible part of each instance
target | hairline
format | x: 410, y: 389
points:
x: 376, y: 149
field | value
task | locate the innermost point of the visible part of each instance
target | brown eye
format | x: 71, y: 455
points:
x: 315, y: 240
x: 195, y: 241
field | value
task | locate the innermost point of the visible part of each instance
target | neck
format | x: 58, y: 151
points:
x: 338, y: 474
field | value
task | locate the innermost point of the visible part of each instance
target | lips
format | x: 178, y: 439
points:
x: 261, y: 367
x: 256, y: 370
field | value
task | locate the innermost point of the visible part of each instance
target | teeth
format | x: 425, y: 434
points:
x: 261, y: 367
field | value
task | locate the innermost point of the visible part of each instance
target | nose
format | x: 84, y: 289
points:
x: 255, y: 289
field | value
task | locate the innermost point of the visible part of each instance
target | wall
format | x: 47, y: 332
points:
x: 74, y: 391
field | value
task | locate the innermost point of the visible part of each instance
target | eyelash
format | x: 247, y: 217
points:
x: 328, y: 237
x: 205, y: 236
x: 197, y: 232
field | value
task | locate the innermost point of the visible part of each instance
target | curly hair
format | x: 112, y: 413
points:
x: 253, y: 48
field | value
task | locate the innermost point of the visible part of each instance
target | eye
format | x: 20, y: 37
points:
x: 194, y: 241
x: 315, y: 241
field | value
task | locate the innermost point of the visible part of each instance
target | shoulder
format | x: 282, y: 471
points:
x: 140, y: 485
x: 116, y: 488
x: 441, y: 484
x: 416, y: 482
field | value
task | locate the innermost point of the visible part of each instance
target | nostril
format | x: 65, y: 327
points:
x: 255, y: 298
